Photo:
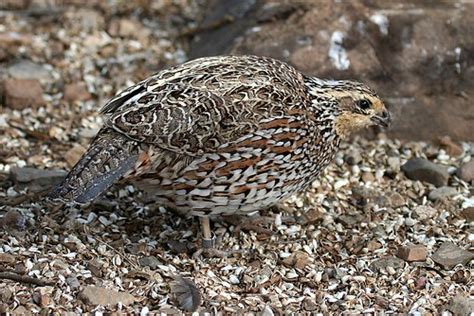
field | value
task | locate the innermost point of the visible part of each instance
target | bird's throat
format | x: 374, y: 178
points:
x: 348, y: 123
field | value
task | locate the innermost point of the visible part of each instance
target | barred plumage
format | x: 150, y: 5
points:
x: 222, y: 135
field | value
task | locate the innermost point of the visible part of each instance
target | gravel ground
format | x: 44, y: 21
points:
x: 372, y: 234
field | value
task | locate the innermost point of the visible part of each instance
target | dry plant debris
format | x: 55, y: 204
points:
x: 331, y: 249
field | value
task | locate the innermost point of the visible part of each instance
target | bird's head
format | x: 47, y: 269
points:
x: 357, y: 105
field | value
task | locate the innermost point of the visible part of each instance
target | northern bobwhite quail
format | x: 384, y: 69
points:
x: 222, y: 135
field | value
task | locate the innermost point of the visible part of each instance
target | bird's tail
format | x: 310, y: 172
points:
x: 108, y: 158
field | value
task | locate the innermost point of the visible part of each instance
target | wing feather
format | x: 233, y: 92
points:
x: 199, y: 106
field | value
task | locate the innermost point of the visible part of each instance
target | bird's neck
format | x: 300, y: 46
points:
x: 322, y: 104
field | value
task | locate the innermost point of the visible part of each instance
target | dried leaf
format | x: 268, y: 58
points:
x: 187, y: 295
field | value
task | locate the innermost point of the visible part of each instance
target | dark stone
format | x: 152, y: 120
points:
x: 36, y: 179
x: 466, y: 172
x: 449, y: 255
x: 225, y: 21
x: 424, y: 170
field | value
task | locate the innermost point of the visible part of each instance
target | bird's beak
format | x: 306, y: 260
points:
x: 384, y: 119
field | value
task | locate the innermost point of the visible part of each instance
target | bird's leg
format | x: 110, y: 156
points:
x: 208, y: 248
x: 208, y: 238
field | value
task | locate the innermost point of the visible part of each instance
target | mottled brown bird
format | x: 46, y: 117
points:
x: 222, y: 135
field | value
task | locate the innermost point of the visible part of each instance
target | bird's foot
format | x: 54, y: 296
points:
x: 209, y: 241
x: 259, y: 224
x: 209, y: 250
x: 255, y: 224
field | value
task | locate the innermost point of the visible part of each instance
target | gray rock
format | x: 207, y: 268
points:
x: 149, y: 261
x: 73, y: 282
x: 36, y: 179
x: 461, y: 305
x: 424, y: 170
x: 442, y: 192
x: 93, y: 295
x: 384, y: 263
x: 466, y: 172
x: 25, y: 69
x: 449, y: 255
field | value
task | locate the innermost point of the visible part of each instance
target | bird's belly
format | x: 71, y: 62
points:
x: 224, y: 184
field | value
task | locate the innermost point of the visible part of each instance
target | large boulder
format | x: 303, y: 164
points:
x: 417, y: 54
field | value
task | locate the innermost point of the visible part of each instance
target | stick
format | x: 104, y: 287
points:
x: 24, y: 279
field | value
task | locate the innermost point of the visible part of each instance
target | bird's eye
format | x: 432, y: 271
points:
x: 363, y: 104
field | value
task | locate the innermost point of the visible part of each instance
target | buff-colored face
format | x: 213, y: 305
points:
x: 360, y: 110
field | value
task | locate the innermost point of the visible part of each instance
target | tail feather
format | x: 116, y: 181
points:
x: 108, y: 158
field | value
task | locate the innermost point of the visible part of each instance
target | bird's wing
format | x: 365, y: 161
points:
x: 199, y: 106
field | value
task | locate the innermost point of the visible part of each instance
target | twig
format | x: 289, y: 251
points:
x: 24, y: 279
